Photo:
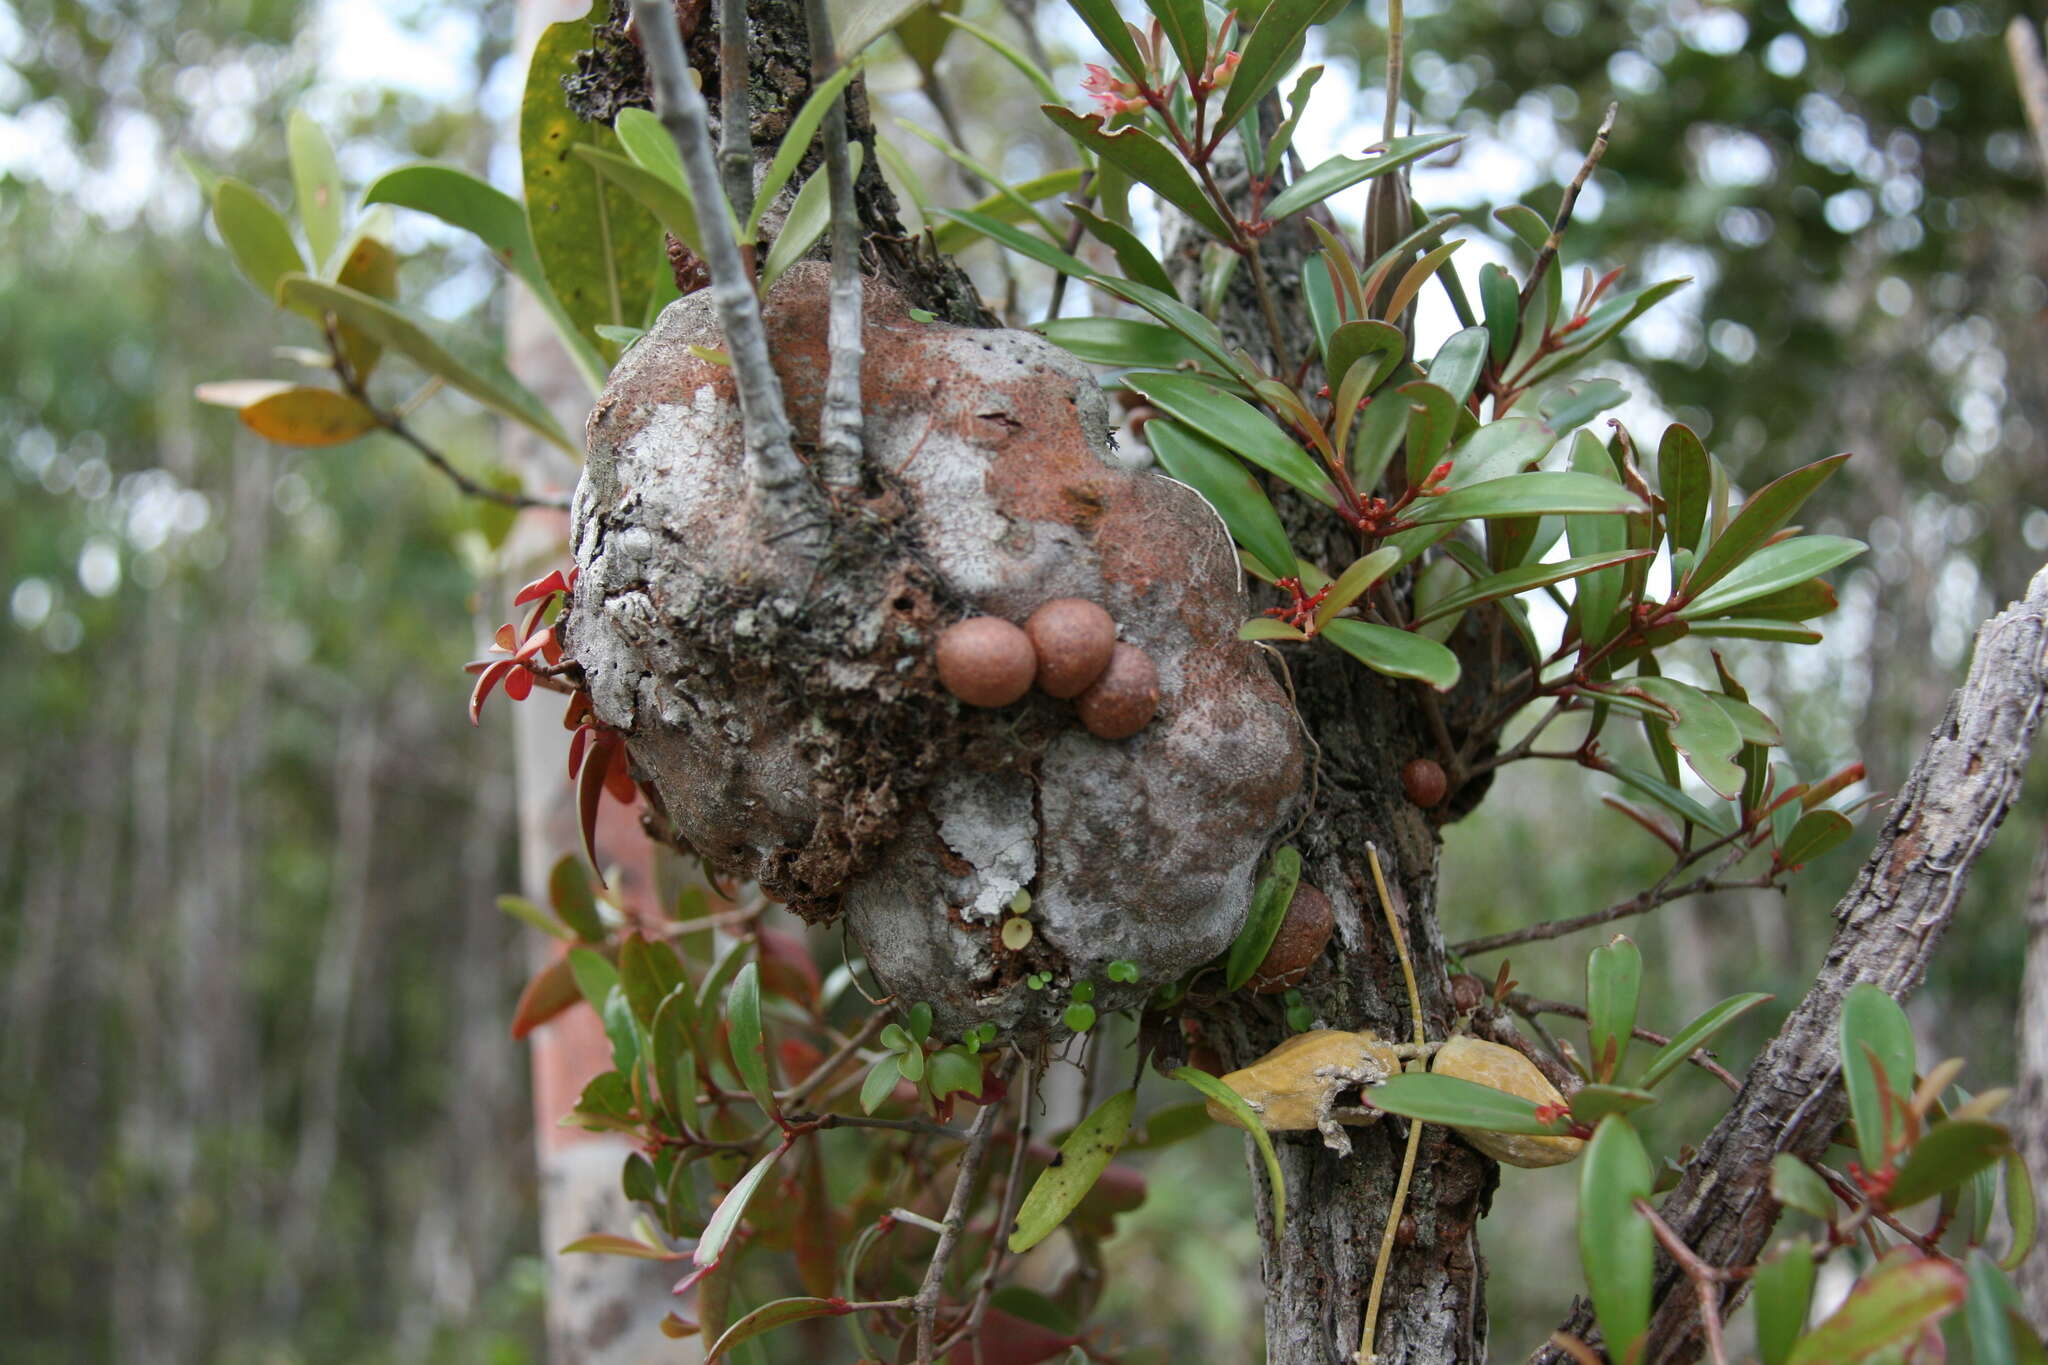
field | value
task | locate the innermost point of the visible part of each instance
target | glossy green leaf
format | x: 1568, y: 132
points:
x: 1021, y: 242
x: 1698, y: 1034
x: 1012, y: 204
x: 1536, y: 493
x: 1182, y: 319
x: 649, y: 971
x: 1614, y: 978
x: 595, y: 976
x: 1744, y: 628
x: 1945, y: 1156
x: 1684, y: 481
x: 2021, y: 1211
x: 953, y: 1071
x: 1133, y: 257
x: 1703, y: 732
x: 1604, y: 324
x: 1783, y: 1290
x: 1434, y: 418
x: 1596, y: 604
x: 437, y: 347
x: 1223, y: 482
x: 809, y: 216
x: 1766, y: 512
x: 316, y: 185
x: 726, y: 1218
x: 1355, y: 581
x: 1458, y: 362
x: 1396, y: 653
x: 600, y: 251
x: 673, y: 1056
x: 1891, y: 1306
x: 1270, y: 899
x: 1340, y: 173
x: 1771, y: 569
x: 1616, y: 1247
x: 1817, y: 832
x: 1499, y: 449
x: 1800, y: 602
x: 880, y: 1083
x: 569, y: 892
x: 1995, y: 1318
x: 1241, y: 1114
x: 1146, y: 160
x: 1108, y: 27
x: 1268, y: 52
x: 1187, y: 31
x: 1122, y: 342
x: 1319, y: 292
x: 796, y: 142
x: 1514, y: 581
x: 670, y: 206
x: 1278, y: 145
x: 1875, y: 1037
x: 1569, y: 405
x: 1379, y: 345
x: 1797, y: 1185
x: 1501, y: 303
x: 749, y: 1048
x: 1269, y: 628
x: 1083, y: 1156
x: 646, y: 142
x: 257, y: 237
x: 1236, y: 426
x: 1460, y: 1103
x: 769, y: 1316
x: 1594, y: 1102
x: 1671, y: 798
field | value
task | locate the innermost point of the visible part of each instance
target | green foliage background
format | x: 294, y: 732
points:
x: 256, y: 1098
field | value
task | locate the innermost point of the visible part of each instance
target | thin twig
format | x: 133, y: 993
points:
x: 1394, y: 44
x: 1706, y: 1279
x: 1663, y: 893
x: 2023, y: 50
x: 926, y: 1304
x: 778, y: 475
x: 1548, y: 255
x: 1366, y: 1354
x: 1529, y: 1005
x: 823, y: 1072
x: 735, y: 108
x: 1013, y: 1195
x: 839, y: 418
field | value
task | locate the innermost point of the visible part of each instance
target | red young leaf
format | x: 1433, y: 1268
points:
x: 618, y: 777
x: 589, y: 791
x: 552, y: 990
x: 577, y: 742
x: 540, y: 609
x: 504, y: 639
x: 534, y: 643
x: 519, y: 684
x: 545, y: 586
x: 489, y: 679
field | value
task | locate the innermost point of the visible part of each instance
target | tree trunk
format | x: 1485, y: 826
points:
x: 2030, y: 1105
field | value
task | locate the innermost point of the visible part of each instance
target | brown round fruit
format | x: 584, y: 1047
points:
x: 1423, y: 779
x: 1304, y: 933
x: 986, y: 661
x: 1124, y: 699
x: 1468, y: 992
x: 1073, y: 639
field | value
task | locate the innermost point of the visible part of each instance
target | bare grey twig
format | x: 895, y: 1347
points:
x: 1548, y: 255
x: 839, y: 419
x: 927, y: 1301
x: 735, y: 107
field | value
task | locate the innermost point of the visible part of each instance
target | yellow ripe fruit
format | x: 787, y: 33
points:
x: 1503, y: 1068
x: 1292, y: 1087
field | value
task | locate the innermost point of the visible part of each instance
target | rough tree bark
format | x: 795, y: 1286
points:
x: 2030, y: 1103
x: 1887, y: 927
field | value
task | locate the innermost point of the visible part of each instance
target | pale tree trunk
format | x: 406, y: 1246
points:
x: 2030, y: 1104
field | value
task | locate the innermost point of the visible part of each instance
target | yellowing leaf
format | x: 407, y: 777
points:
x: 302, y: 416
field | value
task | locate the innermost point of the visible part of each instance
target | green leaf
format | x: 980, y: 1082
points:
x: 675, y: 1066
x: 1685, y: 481
x: 1761, y: 517
x: 1011, y: 54
x: 1268, y: 52
x: 601, y: 252
x: 569, y: 893
x: 1616, y: 1247
x: 796, y: 142
x: 316, y: 185
x: 595, y: 976
x: 2021, y: 1211
x: 1340, y: 173
x: 1235, y: 495
x: 1783, y: 1287
x: 1270, y: 899
x: 1703, y: 732
x: 1498, y: 450
x: 1434, y: 417
x: 1378, y: 344
x: 1743, y: 628
x: 1187, y: 30
x: 1668, y: 796
x: 1893, y: 1305
x: 1772, y: 569
x: 749, y: 1049
x: 881, y: 1081
x: 769, y: 1316
x: 808, y: 218
x: 1122, y: 342
x: 437, y: 347
x: 718, y: 1231
x: 496, y: 219
x: 646, y: 142
x: 526, y: 912
x: 649, y: 971
x: 1133, y: 257
x: 1501, y: 303
x: 1945, y: 1156
x: 257, y: 237
x: 1604, y: 323
x: 1520, y: 580
x: 1241, y: 1114
x: 1594, y: 1102
x: 1268, y: 628
x: 1459, y: 361
x: 1010, y: 204
x: 1108, y: 27
x: 1875, y: 1037
x: 1818, y: 832
x: 1800, y: 602
x: 1538, y: 493
x: 1614, y: 977
x: 1182, y: 319
x: 1083, y: 1156
x: 1021, y: 242
x: 1079, y: 1017
x: 1596, y: 603
x: 1458, y: 1103
x: 1355, y: 581
x: 1568, y: 405
x: 1396, y: 653
x: 1698, y: 1034
x: 1996, y: 1320
x: 1146, y: 160
x: 1236, y: 426
x: 1797, y: 1185
x: 610, y: 1244
x: 953, y: 1071
x: 670, y: 205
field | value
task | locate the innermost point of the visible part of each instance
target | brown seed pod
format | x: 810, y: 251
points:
x: 1073, y: 638
x: 1423, y: 779
x: 1468, y: 992
x: 1304, y: 933
x: 986, y: 661
x: 1124, y: 699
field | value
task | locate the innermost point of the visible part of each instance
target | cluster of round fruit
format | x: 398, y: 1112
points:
x: 1069, y: 648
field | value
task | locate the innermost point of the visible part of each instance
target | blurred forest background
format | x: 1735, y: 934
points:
x: 257, y: 1099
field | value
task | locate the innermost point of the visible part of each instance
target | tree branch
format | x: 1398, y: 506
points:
x: 1548, y: 255
x: 839, y: 419
x: 735, y: 108
x: 1888, y: 924
x: 927, y: 1302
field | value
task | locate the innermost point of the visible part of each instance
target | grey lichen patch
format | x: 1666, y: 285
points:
x: 786, y: 709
